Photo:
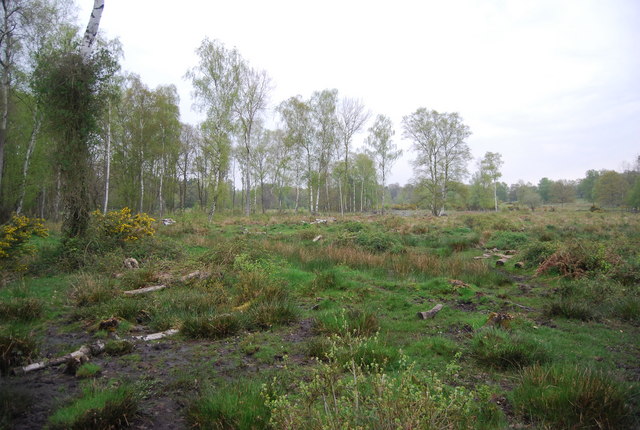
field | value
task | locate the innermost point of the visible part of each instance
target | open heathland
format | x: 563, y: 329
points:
x: 473, y: 320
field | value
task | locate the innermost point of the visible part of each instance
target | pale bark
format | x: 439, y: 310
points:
x: 107, y: 173
x: 92, y: 29
x: 144, y: 290
x: 27, y: 158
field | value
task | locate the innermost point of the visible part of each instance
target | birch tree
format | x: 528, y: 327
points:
x: 251, y: 103
x: 383, y: 151
x: 69, y: 86
x: 216, y: 82
x: 298, y: 130
x: 490, y: 168
x: 351, y: 118
x: 442, y: 152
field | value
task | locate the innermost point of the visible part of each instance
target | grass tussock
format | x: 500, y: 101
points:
x: 21, y: 309
x: 237, y: 405
x: 572, y: 398
x: 500, y: 349
x: 98, y: 408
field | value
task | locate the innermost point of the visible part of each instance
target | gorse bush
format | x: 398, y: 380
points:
x: 122, y: 225
x: 14, y: 238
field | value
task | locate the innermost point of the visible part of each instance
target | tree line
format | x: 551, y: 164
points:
x: 130, y: 148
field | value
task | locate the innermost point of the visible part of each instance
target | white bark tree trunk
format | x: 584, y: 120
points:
x: 92, y: 29
x: 27, y: 158
x: 107, y: 172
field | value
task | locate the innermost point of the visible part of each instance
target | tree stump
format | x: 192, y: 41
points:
x: 431, y: 313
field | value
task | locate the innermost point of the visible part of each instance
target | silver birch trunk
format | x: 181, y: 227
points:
x: 340, y: 196
x: 107, y: 173
x: 141, y: 180
x: 27, y: 158
x: 495, y: 195
x: 56, y: 202
x: 92, y: 29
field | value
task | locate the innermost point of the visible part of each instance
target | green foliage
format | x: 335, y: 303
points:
x: 21, y: 308
x: 88, y: 370
x: 331, y: 398
x: 235, y: 405
x: 98, y: 408
x: 14, y: 238
x: 572, y: 398
x: 69, y: 88
x: 118, y: 347
x: 122, y: 226
x: 271, y: 312
x: 503, y: 350
x: 359, y: 322
x: 17, y: 347
x: 216, y: 326
x: 507, y: 240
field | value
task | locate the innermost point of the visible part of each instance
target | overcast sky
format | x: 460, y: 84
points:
x: 554, y: 86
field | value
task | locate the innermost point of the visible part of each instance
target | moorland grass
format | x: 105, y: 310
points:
x: 572, y: 397
x: 97, y: 408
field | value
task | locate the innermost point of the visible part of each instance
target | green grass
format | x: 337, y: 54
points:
x: 274, y: 302
x: 572, y: 398
x: 237, y: 405
x: 97, y: 408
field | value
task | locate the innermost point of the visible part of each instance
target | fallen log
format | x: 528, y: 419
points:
x: 156, y: 336
x: 431, y: 313
x: 81, y: 354
x: 317, y: 238
x: 501, y: 262
x: 145, y: 290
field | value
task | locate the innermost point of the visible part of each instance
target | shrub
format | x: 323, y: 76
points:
x: 535, y: 253
x: 575, y: 259
x: 237, y: 405
x: 122, y: 226
x: 98, y: 408
x: 503, y: 350
x: 378, y: 242
x: 572, y: 398
x: 14, y: 238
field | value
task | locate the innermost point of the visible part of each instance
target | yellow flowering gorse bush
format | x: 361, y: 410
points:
x: 14, y: 237
x: 121, y: 225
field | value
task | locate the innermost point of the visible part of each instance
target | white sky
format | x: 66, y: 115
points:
x: 554, y: 86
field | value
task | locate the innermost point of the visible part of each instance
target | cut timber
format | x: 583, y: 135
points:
x: 432, y: 313
x: 82, y: 354
x: 501, y: 262
x: 131, y: 263
x: 145, y: 290
x: 519, y: 265
x: 317, y: 238
x: 156, y: 336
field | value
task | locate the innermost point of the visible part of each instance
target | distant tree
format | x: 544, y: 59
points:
x: 585, y: 186
x: 531, y: 198
x: 633, y: 196
x: 383, y: 150
x: 610, y: 189
x: 561, y: 191
x: 488, y: 175
x: 442, y: 152
x: 544, y: 189
x: 351, y: 118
